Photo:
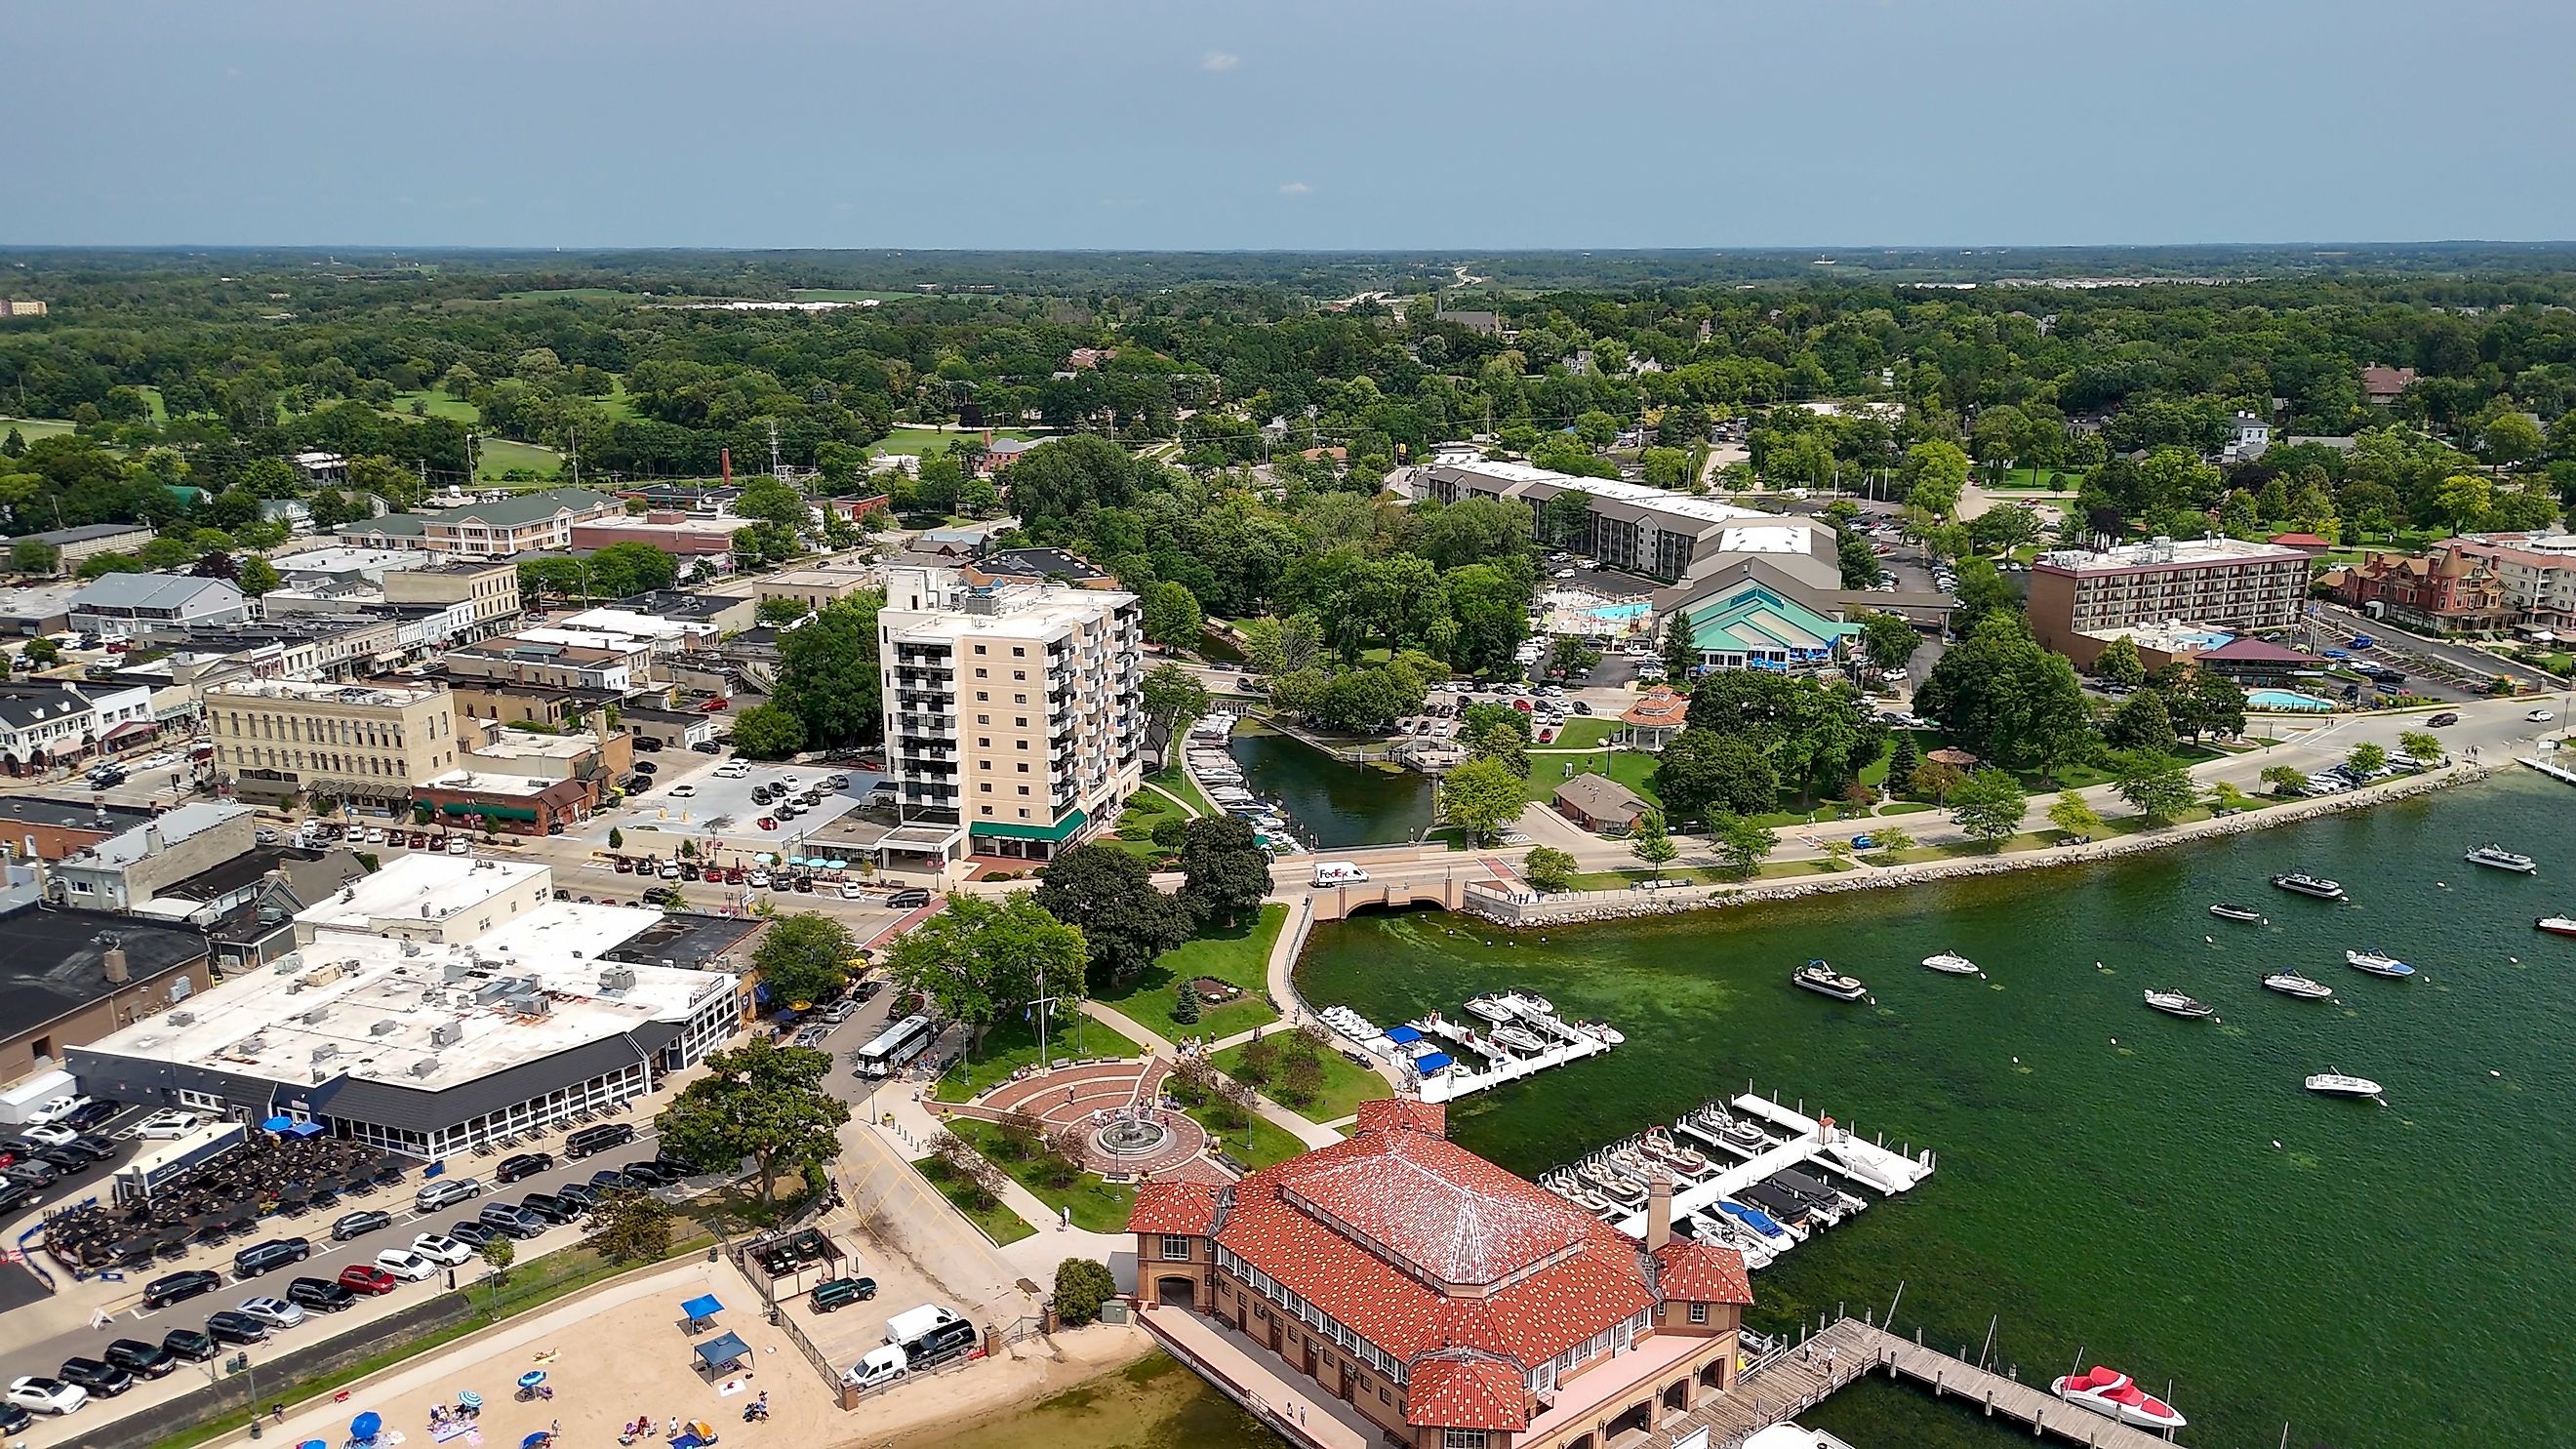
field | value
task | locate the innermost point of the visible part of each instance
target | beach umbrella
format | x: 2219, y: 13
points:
x: 469, y: 1398
x: 535, y: 1439
x: 312, y: 1444
x: 532, y: 1378
x: 367, y: 1425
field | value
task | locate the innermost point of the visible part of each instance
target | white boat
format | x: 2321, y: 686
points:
x: 1659, y: 1145
x: 1519, y: 1040
x: 2309, y: 885
x: 2332, y: 1083
x: 1821, y: 978
x: 1951, y: 963
x: 2556, y: 925
x: 2236, y: 913
x: 1601, y: 1029
x: 2291, y: 983
x: 2174, y: 1003
x: 2377, y: 964
x: 1731, y: 1134
x: 2499, y: 858
x: 1532, y: 1001
x: 2114, y: 1395
x: 1492, y: 1008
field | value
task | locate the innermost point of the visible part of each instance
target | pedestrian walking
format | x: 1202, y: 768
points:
x: 277, y: 1413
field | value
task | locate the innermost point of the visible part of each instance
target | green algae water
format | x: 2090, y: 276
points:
x: 1154, y: 1403
x: 1336, y: 805
x: 2157, y: 1194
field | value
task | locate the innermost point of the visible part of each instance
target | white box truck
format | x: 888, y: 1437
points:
x: 1338, y: 873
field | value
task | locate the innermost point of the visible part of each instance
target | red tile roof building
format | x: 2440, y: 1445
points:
x: 2447, y: 591
x: 1455, y: 1305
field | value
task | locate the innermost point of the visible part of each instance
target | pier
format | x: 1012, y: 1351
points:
x: 2560, y: 773
x: 1799, y: 1376
x: 1508, y: 1064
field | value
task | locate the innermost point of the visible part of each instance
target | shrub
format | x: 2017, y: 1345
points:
x: 1081, y: 1286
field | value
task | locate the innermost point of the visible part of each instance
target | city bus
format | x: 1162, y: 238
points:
x: 896, y: 1046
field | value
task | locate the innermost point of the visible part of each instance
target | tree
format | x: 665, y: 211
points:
x: 1125, y: 922
x: 1497, y: 741
x: 1743, y: 844
x: 1680, y: 652
x: 1173, y: 697
x: 1702, y: 774
x: 629, y: 1226
x: 1225, y: 872
x: 2420, y: 747
x: 2141, y: 724
x: 1892, y: 842
x: 1934, y: 474
x: 1651, y: 843
x: 1903, y: 759
x: 2285, y: 780
x: 1081, y: 1286
x: 2002, y: 697
x: 1887, y: 641
x: 769, y: 501
x: 1857, y: 561
x: 497, y: 1253
x: 2070, y: 814
x: 2461, y: 498
x: 781, y: 611
x: 2156, y: 786
x: 761, y: 1101
x: 1549, y: 869
x: 767, y: 732
x: 827, y: 673
x: 616, y: 838
x: 1934, y: 780
x: 1482, y: 796
x: 257, y: 576
x: 1172, y: 615
x: 2367, y: 759
x: 2119, y: 663
x: 42, y: 652
x: 1185, y: 1002
x: 1988, y: 805
x: 35, y: 556
x: 1982, y: 593
x: 805, y: 957
x: 2208, y: 703
x: 981, y: 960
x: 2003, y: 529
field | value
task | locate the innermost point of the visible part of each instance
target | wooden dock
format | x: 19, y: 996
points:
x: 1797, y: 1378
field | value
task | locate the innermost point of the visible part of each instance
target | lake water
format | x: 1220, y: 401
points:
x: 2156, y: 1194
x: 1335, y: 805
x: 1155, y: 1403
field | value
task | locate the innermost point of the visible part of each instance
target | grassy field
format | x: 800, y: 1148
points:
x: 1176, y: 780
x: 2039, y: 480
x: 1628, y: 767
x: 1097, y: 1206
x: 502, y: 455
x: 1013, y: 1045
x: 1582, y: 732
x: 1258, y: 1145
x: 999, y: 1223
x: 929, y: 440
x: 33, y: 428
x: 1240, y: 958
x: 436, y: 404
x: 1346, y: 1085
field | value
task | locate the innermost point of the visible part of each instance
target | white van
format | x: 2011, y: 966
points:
x: 881, y: 1366
x: 1338, y: 873
x: 913, y: 1325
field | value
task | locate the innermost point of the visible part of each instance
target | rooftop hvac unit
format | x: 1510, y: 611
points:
x: 530, y: 1005
x: 314, y: 1016
x: 183, y: 1018
x: 294, y: 988
x: 426, y: 1066
x: 447, y: 1033
x: 456, y: 971
x: 386, y: 1027
x: 326, y: 1051
x: 617, y: 978
x: 491, y: 991
x: 411, y: 948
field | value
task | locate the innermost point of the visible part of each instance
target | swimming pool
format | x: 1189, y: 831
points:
x: 1618, y: 613
x: 2287, y: 699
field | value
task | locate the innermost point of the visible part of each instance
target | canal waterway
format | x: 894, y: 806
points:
x: 1335, y: 805
x: 2116, y: 1185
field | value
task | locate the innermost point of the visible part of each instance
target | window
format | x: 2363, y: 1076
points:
x: 983, y: 742
x: 1176, y: 1248
x: 987, y: 788
x: 979, y: 694
x: 1024, y: 815
x: 1699, y: 1313
x: 979, y: 648
x: 1018, y: 652
x: 988, y: 809
x: 1019, y: 699
x: 983, y: 719
x: 1462, y: 1439
x: 1024, y: 744
x: 1022, y: 766
x: 1023, y: 789
x: 1021, y: 720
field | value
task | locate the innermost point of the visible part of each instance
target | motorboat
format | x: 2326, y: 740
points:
x: 1789, y: 1207
x: 1601, y: 1030
x: 1492, y: 1009
x: 2498, y: 858
x: 1624, y: 1190
x: 2115, y: 1395
x: 1631, y: 1162
x: 1821, y: 978
x: 1718, y: 1228
x: 1529, y: 1000
x: 2332, y: 1083
x: 2174, y: 1003
x: 1817, y: 1190
x: 1519, y: 1040
x: 2227, y: 912
x: 1733, y: 1134
x: 1778, y: 1234
x: 1565, y: 1185
x: 2556, y: 925
x: 2377, y: 964
x: 1593, y: 1172
x: 2302, y: 883
x: 1687, y: 1161
x: 2291, y: 983
x: 1951, y: 963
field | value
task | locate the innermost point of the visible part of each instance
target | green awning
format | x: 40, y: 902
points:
x: 488, y: 810
x: 1061, y: 830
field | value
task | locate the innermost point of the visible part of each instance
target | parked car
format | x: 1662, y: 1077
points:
x: 547, y: 1207
x: 194, y: 1345
x: 598, y: 1139
x: 472, y: 1233
x: 683, y: 792
x: 234, y: 1326
x: 442, y: 1249
x: 90, y: 1113
x: 179, y: 1287
x: 55, y: 1109
x: 440, y: 1193
x: 38, y: 1395
x: 2446, y: 717
x: 49, y: 1134
x: 371, y: 1280
x: 321, y: 1293
x: 842, y: 1292
x: 143, y: 1360
x: 526, y: 1164
x: 609, y: 1179
x: 909, y: 900
x: 360, y: 1223
x: 273, y: 1312
x: 103, y: 1380
x: 165, y: 1125
x: 579, y: 1196
x: 502, y: 1217
x: 399, y: 1263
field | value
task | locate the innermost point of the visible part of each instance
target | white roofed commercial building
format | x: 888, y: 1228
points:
x: 1645, y: 530
x: 2220, y: 582
x: 279, y: 738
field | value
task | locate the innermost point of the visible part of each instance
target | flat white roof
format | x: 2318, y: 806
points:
x: 627, y: 621
x: 381, y: 695
x: 440, y: 885
x: 489, y: 783
x: 185, y: 823
x: 1680, y: 505
x: 1765, y: 538
x: 529, y: 745
x: 2167, y: 552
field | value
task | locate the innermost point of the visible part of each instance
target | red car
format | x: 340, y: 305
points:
x: 625, y: 866
x: 711, y: 706
x: 367, y: 1278
x: 768, y: 823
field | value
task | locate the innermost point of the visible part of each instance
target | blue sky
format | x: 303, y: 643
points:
x: 1478, y: 124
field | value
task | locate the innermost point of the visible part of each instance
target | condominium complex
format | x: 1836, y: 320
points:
x: 2537, y: 574
x: 275, y: 739
x: 1640, y: 529
x: 522, y: 523
x: 2219, y: 581
x: 1011, y: 711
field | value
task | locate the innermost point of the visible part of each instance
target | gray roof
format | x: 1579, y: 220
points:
x: 150, y: 591
x: 390, y: 525
x: 79, y: 814
x: 527, y: 507
x: 84, y: 533
x: 30, y: 702
x: 53, y: 962
x: 185, y: 823
x: 386, y: 1104
x: 1602, y: 798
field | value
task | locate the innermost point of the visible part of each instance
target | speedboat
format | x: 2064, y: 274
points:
x: 2377, y: 964
x: 1951, y: 963
x: 2332, y: 1083
x: 2501, y: 859
x: 1601, y: 1030
x: 1519, y: 1040
x: 2556, y: 925
x: 1531, y: 1000
x: 2115, y: 1395
x: 2236, y: 913
x: 1778, y: 1234
x: 2174, y: 1003
x: 1718, y: 1228
x: 2291, y: 983
x: 1731, y: 1133
x: 2305, y: 884
x: 1824, y: 980
x: 1491, y: 1008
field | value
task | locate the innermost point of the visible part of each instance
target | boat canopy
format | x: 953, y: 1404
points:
x: 1403, y: 1035
x: 1431, y: 1062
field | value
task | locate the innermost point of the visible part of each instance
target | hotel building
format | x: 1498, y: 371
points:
x: 2218, y: 582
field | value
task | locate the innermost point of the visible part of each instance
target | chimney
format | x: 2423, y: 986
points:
x: 724, y: 460
x: 1659, y: 1210
x: 113, y: 963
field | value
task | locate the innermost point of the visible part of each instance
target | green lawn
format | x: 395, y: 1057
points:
x: 501, y: 455
x: 436, y: 404
x: 2044, y: 480
x: 1013, y: 1045
x: 1177, y: 780
x: 1345, y: 1085
x: 1135, y: 829
x: 1583, y: 732
x: 33, y: 428
x: 929, y: 440
x: 999, y: 1223
x: 1098, y: 1206
x: 1263, y: 1143
x: 1628, y: 767
x: 1240, y: 958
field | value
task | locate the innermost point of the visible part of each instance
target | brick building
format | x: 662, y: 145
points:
x: 2220, y: 582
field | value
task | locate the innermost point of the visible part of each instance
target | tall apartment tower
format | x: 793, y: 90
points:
x: 1014, y: 710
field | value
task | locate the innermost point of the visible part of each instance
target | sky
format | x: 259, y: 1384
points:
x: 1300, y: 124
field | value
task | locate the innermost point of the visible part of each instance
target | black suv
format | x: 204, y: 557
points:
x: 546, y: 1207
x: 526, y: 1164
x: 190, y: 1344
x: 133, y: 1355
x: 232, y: 1326
x: 472, y: 1232
x: 103, y: 1380
x: 609, y: 1179
x: 598, y: 1139
x: 581, y: 1197
x: 320, y: 1293
x: 179, y: 1287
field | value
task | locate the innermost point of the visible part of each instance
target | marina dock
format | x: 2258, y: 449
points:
x: 1417, y: 1047
x: 2559, y: 773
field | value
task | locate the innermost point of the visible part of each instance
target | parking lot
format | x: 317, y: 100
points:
x: 720, y: 808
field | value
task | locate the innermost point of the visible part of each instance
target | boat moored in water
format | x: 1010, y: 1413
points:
x: 2227, y: 912
x: 2174, y: 1003
x: 1821, y: 978
x: 2556, y: 925
x: 1951, y: 963
x: 1492, y: 1009
x: 2496, y: 857
x: 2115, y: 1395
x: 2291, y: 983
x: 2377, y: 964
x: 2302, y: 883
x: 1519, y: 1040
x: 2331, y: 1083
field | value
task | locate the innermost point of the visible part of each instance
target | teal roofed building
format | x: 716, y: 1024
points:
x: 1751, y: 625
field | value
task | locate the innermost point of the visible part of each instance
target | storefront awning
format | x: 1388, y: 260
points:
x: 1061, y: 830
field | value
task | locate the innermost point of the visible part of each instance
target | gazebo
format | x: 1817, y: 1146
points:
x: 1657, y: 716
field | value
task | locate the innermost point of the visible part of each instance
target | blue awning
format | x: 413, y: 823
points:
x: 304, y: 1129
x: 702, y: 1306
x: 277, y: 1124
x: 1426, y: 1065
x: 1403, y: 1035
x: 728, y: 1348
